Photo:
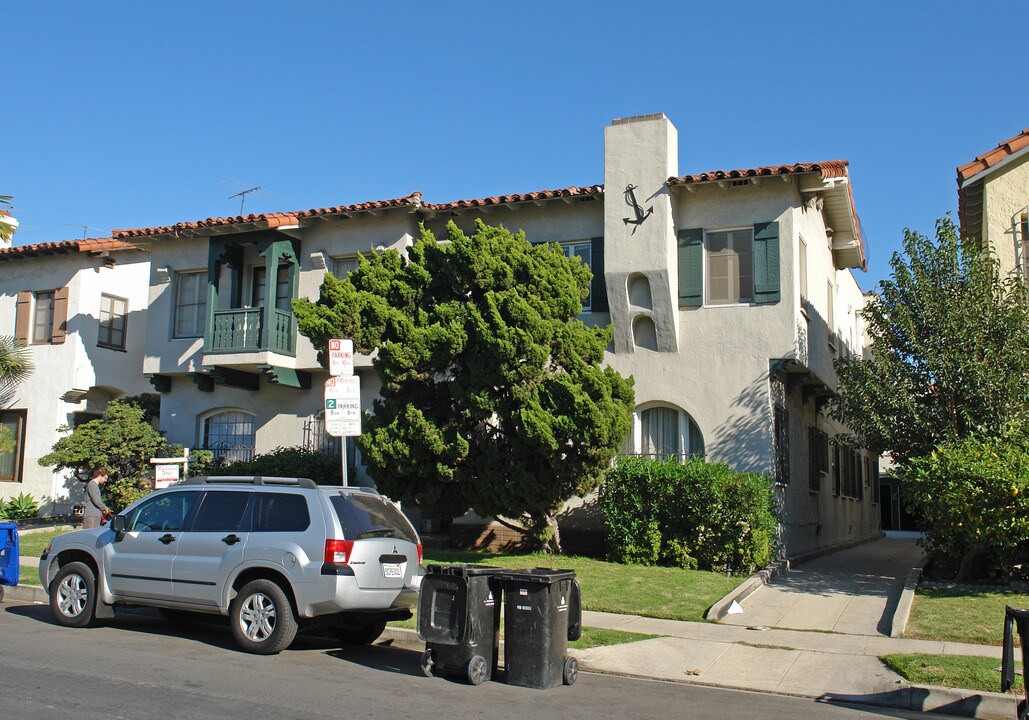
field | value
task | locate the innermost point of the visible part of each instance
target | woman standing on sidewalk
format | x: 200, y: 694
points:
x: 95, y: 508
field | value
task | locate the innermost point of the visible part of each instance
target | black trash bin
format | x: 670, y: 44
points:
x: 1012, y: 618
x: 459, y: 620
x: 542, y: 612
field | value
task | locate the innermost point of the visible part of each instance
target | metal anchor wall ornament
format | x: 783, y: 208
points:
x: 630, y: 200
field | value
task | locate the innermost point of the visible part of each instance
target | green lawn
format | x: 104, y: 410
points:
x: 967, y: 616
x: 32, y: 544
x: 609, y: 587
x: 956, y: 671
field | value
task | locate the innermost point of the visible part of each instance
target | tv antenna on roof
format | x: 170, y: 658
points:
x: 242, y: 195
x: 84, y: 228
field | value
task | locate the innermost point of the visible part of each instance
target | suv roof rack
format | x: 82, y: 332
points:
x: 251, y: 480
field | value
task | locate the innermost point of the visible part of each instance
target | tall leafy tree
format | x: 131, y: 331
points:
x: 122, y: 441
x: 493, y: 397
x: 949, y: 350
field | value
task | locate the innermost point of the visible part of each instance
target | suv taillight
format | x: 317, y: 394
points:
x: 338, y: 551
x: 419, y: 553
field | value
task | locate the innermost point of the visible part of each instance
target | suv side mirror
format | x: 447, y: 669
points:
x: 118, y: 524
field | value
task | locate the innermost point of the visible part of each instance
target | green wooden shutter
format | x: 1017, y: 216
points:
x: 598, y: 288
x: 766, y: 262
x: 691, y: 267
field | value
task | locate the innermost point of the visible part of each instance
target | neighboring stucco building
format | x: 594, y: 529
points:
x: 81, y: 306
x: 993, y: 203
x: 730, y: 294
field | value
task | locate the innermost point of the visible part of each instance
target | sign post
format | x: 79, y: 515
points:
x: 342, y: 396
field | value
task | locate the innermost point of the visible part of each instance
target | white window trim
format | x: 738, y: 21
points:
x: 706, y: 274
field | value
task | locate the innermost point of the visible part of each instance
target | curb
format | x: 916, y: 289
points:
x: 24, y: 593
x: 899, y: 622
x: 934, y: 699
x: 747, y: 588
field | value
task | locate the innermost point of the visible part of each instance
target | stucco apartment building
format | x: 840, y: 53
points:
x: 81, y: 307
x: 993, y: 203
x: 730, y: 294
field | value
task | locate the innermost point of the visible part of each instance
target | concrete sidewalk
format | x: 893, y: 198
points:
x: 816, y: 631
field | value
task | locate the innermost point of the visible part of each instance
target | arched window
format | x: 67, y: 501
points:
x: 665, y: 432
x: 229, y: 435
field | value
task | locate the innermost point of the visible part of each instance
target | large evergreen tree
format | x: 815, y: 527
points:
x: 949, y: 350
x: 493, y: 397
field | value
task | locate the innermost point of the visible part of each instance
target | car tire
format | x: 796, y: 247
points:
x: 360, y: 632
x: 262, y: 618
x: 73, y: 596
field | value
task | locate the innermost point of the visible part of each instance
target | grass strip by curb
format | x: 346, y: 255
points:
x: 954, y: 671
x: 961, y: 614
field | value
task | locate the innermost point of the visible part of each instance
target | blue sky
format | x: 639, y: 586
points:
x: 131, y: 114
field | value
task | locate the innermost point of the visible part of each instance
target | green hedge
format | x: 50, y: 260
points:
x: 288, y: 462
x: 691, y: 514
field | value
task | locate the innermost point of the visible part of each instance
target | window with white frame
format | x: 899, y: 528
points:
x: 730, y: 266
x: 190, y: 304
x: 664, y: 432
x: 229, y: 435
x: 343, y: 265
x: 113, y: 313
x: 581, y: 249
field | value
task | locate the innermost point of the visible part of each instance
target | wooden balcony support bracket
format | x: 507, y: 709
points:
x: 161, y: 383
x: 287, y: 376
x: 203, y: 381
x: 234, y: 378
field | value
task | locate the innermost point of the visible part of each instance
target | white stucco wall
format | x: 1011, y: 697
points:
x: 1005, y: 197
x: 76, y: 375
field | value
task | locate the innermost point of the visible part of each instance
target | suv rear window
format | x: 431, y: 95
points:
x: 281, y: 512
x: 366, y: 516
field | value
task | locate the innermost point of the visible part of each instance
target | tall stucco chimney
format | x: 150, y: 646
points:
x: 640, y: 154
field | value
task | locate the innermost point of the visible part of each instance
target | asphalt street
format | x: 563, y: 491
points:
x: 139, y: 666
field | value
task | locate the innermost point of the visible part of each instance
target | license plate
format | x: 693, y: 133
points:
x: 391, y: 570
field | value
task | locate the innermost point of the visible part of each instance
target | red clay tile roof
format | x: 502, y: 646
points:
x: 89, y: 245
x: 524, y: 197
x: 828, y: 169
x: 270, y: 220
x: 987, y: 160
x: 414, y: 200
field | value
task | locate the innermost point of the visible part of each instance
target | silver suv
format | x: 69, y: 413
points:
x: 271, y: 553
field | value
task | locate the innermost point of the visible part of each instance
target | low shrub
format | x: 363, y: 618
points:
x: 18, y: 508
x: 692, y: 514
x: 972, y: 498
x: 288, y: 462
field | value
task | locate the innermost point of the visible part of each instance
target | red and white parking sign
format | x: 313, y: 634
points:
x: 341, y: 357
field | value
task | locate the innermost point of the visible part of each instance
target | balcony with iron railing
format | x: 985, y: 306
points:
x: 241, y: 330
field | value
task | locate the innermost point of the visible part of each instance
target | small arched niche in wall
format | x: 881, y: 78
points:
x: 639, y: 291
x: 644, y: 333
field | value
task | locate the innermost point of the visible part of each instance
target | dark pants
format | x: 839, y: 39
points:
x: 90, y: 521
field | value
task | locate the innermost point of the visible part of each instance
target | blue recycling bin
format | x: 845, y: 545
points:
x: 9, y: 562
